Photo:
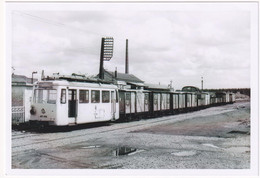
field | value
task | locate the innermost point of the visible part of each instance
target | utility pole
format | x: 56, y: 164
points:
x: 201, y: 83
x: 126, y: 58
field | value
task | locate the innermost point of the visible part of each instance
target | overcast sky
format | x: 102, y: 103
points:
x: 164, y: 45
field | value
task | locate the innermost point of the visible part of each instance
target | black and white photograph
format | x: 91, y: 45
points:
x: 132, y: 88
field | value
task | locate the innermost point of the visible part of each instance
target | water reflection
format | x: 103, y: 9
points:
x: 120, y: 151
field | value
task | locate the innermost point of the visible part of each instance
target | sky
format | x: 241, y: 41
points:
x: 165, y: 44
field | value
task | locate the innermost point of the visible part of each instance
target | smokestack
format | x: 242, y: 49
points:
x: 126, y: 58
x: 42, y: 77
x: 116, y: 73
x: 201, y: 83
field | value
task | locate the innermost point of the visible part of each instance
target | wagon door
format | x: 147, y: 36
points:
x: 72, y: 103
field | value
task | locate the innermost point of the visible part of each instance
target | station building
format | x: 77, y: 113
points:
x: 22, y: 89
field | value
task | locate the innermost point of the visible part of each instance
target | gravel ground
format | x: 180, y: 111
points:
x: 213, y: 138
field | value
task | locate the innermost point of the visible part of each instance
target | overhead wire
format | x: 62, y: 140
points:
x: 55, y: 23
x: 52, y: 22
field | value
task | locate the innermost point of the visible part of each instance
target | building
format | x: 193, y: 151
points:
x: 22, y: 88
x: 123, y: 80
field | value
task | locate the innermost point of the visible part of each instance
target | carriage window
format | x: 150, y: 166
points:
x: 168, y: 98
x: 127, y: 98
x: 63, y: 96
x: 105, y: 97
x: 83, y: 96
x: 155, y: 97
x: 45, y: 96
x: 146, y: 98
x: 95, y: 96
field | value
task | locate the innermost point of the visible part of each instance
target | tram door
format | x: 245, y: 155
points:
x: 113, y: 104
x: 72, y: 101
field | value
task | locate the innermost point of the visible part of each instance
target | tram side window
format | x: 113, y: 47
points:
x: 63, y: 96
x: 105, y: 97
x: 83, y: 96
x: 95, y: 96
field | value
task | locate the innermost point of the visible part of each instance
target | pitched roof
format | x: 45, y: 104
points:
x: 124, y: 77
x: 22, y: 79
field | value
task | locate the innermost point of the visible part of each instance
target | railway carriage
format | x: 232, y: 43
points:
x: 133, y: 104
x: 203, y: 100
x: 232, y: 97
x: 175, y: 102
x: 61, y: 102
x: 182, y: 101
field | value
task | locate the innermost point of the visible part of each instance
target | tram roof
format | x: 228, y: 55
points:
x: 67, y: 83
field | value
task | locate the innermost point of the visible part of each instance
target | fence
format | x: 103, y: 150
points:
x: 18, y: 114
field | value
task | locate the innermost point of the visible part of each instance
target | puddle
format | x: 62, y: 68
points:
x: 91, y: 146
x: 210, y: 145
x: 125, y: 151
x: 184, y: 153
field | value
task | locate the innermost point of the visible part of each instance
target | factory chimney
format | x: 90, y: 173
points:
x: 101, y: 68
x: 116, y: 73
x: 126, y: 58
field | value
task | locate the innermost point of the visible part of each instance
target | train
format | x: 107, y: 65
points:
x: 62, y: 102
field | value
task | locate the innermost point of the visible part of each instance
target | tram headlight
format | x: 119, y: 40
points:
x: 33, y: 110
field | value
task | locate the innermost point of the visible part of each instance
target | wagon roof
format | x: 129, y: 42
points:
x: 156, y: 86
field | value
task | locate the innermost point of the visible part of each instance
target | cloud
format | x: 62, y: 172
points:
x: 163, y: 45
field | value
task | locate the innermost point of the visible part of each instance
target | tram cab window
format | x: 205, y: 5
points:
x: 83, y: 96
x: 95, y: 96
x: 45, y: 96
x: 63, y: 96
x: 105, y: 97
